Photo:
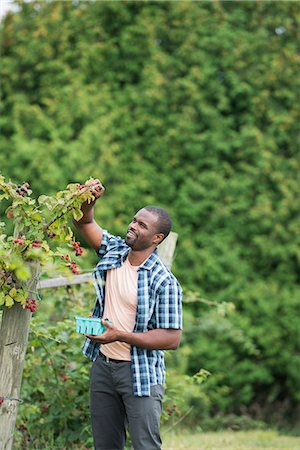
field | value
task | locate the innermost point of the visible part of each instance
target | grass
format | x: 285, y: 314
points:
x: 230, y: 440
x: 189, y: 440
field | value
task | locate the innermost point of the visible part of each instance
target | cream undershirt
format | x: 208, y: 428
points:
x: 120, y: 306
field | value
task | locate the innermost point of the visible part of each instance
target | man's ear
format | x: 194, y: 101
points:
x: 158, y: 238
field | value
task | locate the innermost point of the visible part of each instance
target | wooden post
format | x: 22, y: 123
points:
x: 13, y: 344
x: 166, y: 249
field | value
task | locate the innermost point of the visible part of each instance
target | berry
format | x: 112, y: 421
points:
x: 169, y: 412
x: 19, y: 241
x: 36, y: 243
x: 74, y: 268
x: 45, y: 409
x: 22, y: 428
x: 1, y: 401
x: 10, y: 215
x: 64, y: 377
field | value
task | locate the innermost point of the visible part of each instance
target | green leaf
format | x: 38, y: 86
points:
x: 23, y: 273
x: 42, y: 198
x: 37, y: 217
x: 2, y: 297
x: 45, y: 246
x: 13, y: 292
x: 77, y: 214
x: 9, y: 301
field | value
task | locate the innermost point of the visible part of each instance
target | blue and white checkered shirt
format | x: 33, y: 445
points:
x: 159, y: 306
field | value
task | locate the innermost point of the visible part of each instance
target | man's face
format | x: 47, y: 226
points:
x: 142, y: 231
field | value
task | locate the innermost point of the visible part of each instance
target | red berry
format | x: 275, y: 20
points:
x: 22, y: 427
x: 10, y: 215
x: 169, y: 412
x: 19, y: 241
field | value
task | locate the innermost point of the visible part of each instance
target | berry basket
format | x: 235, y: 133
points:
x: 89, y: 325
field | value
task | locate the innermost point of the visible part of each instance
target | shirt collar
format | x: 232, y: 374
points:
x: 115, y: 256
x: 150, y: 261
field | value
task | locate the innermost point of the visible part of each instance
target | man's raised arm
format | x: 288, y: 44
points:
x: 87, y: 227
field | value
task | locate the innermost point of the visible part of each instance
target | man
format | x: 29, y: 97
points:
x: 142, y: 301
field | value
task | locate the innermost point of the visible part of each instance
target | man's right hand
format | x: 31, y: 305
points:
x: 97, y: 188
x: 87, y: 227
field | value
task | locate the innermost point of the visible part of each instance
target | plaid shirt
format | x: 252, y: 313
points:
x: 159, y: 306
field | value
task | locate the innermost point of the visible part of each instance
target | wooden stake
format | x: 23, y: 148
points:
x: 13, y: 344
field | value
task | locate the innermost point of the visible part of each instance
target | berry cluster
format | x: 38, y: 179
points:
x: 22, y: 189
x: 77, y: 248
x: 19, y: 241
x: 36, y: 243
x: 72, y: 264
x: 171, y: 411
x: 31, y: 304
x: 74, y: 268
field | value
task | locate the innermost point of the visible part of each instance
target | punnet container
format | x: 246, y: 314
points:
x: 89, y: 325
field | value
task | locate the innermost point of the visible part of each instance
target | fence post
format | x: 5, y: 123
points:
x: 166, y: 249
x: 13, y: 344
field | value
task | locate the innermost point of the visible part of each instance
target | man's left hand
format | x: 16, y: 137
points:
x: 109, y: 335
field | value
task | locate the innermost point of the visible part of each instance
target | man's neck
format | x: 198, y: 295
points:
x: 136, y: 258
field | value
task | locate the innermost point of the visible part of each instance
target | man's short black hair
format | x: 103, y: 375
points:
x: 164, y: 220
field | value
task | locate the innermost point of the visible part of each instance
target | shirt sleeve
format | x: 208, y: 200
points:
x: 109, y: 242
x: 169, y: 307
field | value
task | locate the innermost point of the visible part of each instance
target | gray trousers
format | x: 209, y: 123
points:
x: 114, y: 407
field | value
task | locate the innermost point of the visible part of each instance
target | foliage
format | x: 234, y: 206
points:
x: 35, y: 224
x: 192, y: 106
x: 55, y: 395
